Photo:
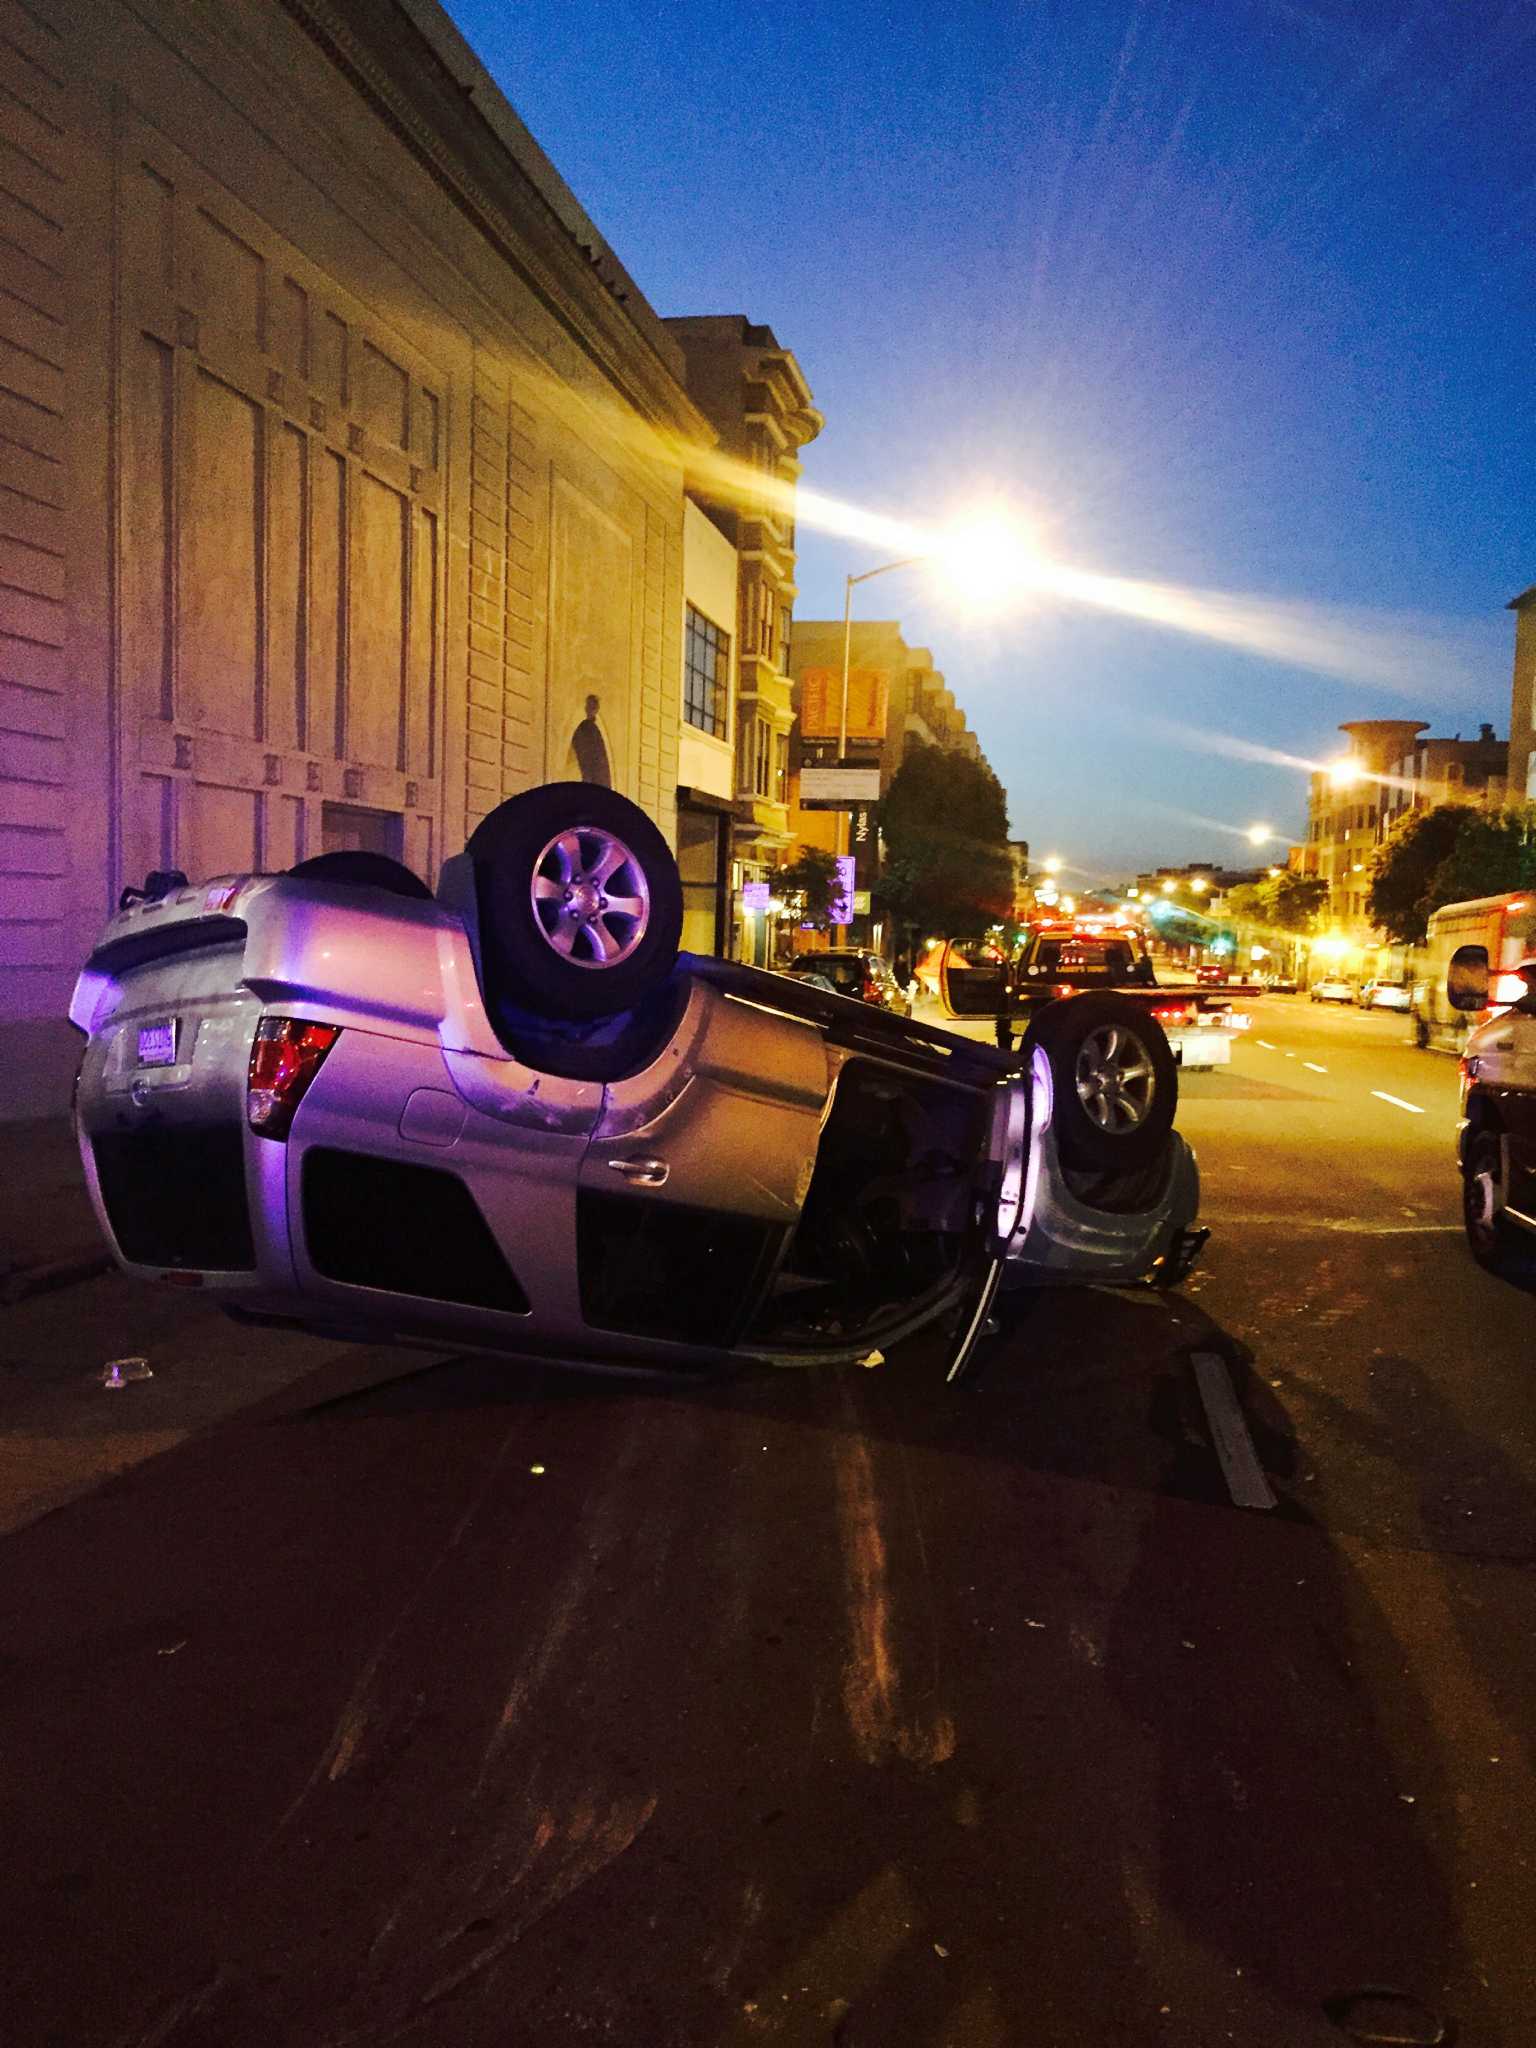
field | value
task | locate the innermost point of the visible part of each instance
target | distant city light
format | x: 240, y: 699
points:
x: 1168, y: 888
x: 1199, y: 884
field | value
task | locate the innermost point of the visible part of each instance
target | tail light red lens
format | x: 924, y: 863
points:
x: 285, y: 1058
x: 871, y: 992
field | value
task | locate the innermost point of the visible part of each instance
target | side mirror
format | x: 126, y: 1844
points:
x: 1466, y: 980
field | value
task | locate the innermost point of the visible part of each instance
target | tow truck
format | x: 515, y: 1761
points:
x: 1062, y: 957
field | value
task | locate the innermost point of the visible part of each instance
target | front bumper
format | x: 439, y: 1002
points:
x: 1068, y: 1243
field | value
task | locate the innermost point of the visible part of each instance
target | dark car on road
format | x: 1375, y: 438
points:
x: 1496, y: 1143
x: 511, y: 1117
x: 855, y: 972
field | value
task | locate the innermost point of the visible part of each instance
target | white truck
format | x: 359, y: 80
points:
x: 1504, y: 929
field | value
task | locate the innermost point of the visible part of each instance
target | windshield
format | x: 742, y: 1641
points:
x: 1111, y: 961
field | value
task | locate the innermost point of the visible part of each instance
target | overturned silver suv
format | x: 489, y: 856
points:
x: 512, y: 1117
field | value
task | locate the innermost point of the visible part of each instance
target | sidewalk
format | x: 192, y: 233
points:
x: 48, y: 1233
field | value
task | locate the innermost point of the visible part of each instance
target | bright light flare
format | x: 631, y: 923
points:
x: 1259, y: 835
x: 1345, y: 771
x: 1053, y: 864
x: 988, y: 561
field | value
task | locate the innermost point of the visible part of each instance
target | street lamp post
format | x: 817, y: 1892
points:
x: 884, y: 569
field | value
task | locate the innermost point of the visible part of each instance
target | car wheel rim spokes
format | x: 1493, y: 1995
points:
x: 590, y: 900
x: 1115, y: 1081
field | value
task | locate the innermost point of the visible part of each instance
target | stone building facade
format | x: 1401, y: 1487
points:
x: 1389, y: 769
x: 341, y: 483
x: 756, y: 397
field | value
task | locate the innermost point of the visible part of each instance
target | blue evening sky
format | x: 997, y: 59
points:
x: 1232, y: 295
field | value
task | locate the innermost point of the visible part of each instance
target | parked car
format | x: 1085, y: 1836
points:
x: 1331, y: 989
x: 1496, y: 1141
x: 1384, y: 995
x: 511, y: 1117
x: 855, y: 972
x: 1279, y: 984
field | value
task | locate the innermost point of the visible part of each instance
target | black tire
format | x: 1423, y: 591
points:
x: 1116, y: 1083
x: 359, y: 870
x: 1499, y: 1246
x: 556, y: 939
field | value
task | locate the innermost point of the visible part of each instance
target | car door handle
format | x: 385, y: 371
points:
x: 643, y: 1173
x: 1504, y: 1045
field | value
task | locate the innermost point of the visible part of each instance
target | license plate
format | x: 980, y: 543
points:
x: 157, y: 1043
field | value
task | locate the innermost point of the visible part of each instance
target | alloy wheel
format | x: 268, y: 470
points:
x: 590, y: 898
x: 1114, y: 1077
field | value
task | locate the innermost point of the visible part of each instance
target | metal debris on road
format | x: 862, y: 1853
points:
x: 119, y: 1372
x: 1230, y: 1440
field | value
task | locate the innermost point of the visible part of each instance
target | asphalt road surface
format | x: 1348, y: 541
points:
x: 445, y: 1702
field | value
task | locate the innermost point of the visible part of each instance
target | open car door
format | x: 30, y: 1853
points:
x: 973, y: 978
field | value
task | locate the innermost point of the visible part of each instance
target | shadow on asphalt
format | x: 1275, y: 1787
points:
x: 497, y: 1705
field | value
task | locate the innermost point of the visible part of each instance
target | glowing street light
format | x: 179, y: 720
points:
x: 1259, y: 835
x: 1052, y: 864
x: 1168, y: 888
x: 1345, y: 771
x: 986, y: 559
x: 1199, y: 884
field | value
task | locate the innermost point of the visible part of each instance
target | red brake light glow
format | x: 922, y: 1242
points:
x: 285, y: 1058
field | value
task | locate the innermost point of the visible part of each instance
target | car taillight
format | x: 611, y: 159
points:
x: 1173, y: 1013
x: 285, y: 1058
x: 871, y: 990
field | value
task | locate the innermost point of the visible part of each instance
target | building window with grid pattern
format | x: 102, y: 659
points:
x: 706, y: 674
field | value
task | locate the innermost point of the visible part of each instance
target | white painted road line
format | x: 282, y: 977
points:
x: 1265, y: 1043
x: 1229, y: 1434
x: 1290, y: 1055
x: 1314, y: 1066
x: 1397, y: 1102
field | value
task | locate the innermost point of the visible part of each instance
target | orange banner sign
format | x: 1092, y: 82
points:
x: 869, y: 697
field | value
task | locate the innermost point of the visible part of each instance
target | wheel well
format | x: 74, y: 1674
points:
x: 1483, y: 1116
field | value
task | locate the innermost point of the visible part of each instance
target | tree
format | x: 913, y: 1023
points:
x: 1402, y: 892
x: 813, y: 878
x: 1286, y: 902
x: 944, y: 820
x: 1494, y: 852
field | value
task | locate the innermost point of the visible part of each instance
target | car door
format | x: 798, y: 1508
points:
x: 696, y: 1173
x: 973, y: 978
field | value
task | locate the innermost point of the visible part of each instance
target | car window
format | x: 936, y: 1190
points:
x: 1081, y: 960
x: 844, y: 970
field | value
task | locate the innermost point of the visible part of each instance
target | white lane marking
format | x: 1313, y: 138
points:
x: 1314, y: 1066
x: 1290, y: 1055
x: 1397, y: 1102
x: 1229, y: 1434
x: 1344, y: 1225
x: 1265, y: 1043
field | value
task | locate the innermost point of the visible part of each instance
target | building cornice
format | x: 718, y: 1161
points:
x: 409, y: 63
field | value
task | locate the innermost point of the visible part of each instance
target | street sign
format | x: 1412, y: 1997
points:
x: 836, y: 788
x: 842, y: 910
x: 861, y: 903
